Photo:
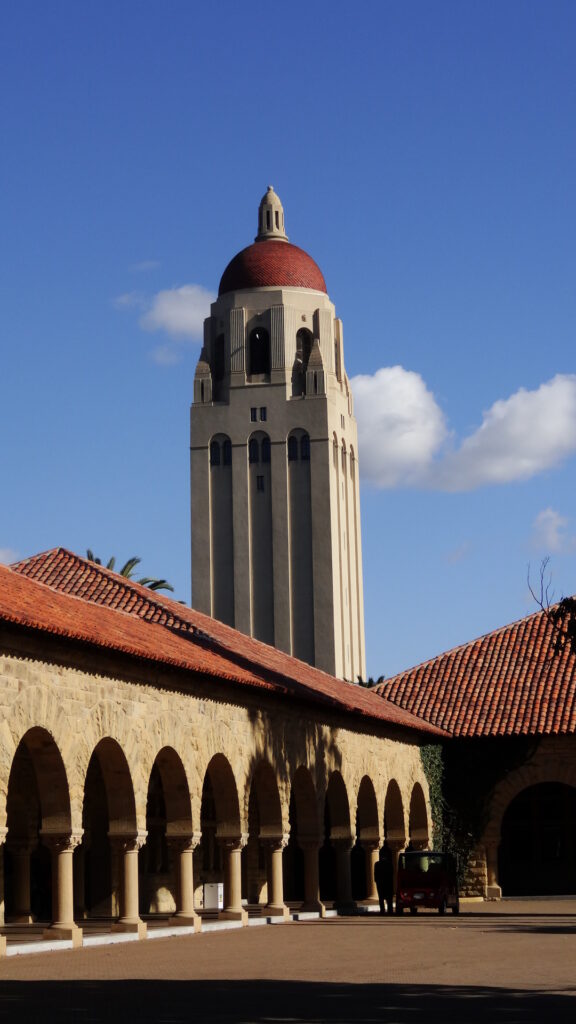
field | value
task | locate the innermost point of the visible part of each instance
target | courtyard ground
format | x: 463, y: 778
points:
x: 513, y: 961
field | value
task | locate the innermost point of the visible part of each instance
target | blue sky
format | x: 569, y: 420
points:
x: 425, y: 153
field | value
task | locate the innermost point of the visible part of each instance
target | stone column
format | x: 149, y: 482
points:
x: 63, y: 926
x: 128, y: 848
x: 343, y: 849
x: 183, y: 848
x: 371, y: 849
x: 21, y: 850
x: 276, y: 906
x: 232, y: 851
x: 3, y: 834
x: 493, y: 890
x: 312, y: 902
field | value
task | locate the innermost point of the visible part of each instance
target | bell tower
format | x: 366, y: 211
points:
x: 276, y: 548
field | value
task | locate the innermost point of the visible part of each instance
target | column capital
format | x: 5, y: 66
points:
x: 343, y: 843
x: 233, y: 843
x: 371, y: 844
x: 309, y: 842
x: 61, y: 842
x: 128, y: 843
x: 183, y: 843
x: 276, y: 842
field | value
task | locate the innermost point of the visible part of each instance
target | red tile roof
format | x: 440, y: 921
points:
x: 58, y: 592
x: 509, y: 682
x: 272, y: 263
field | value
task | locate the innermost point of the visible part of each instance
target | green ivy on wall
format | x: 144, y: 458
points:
x: 462, y: 775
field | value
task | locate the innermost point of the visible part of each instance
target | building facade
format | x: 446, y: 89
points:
x: 276, y: 546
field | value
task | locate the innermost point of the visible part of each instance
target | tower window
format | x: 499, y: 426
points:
x: 305, y: 447
x: 253, y: 414
x: 214, y: 453
x: 259, y: 351
x: 253, y: 453
x: 268, y: 219
x: 263, y: 413
x: 227, y: 452
x: 259, y: 483
x: 292, y: 448
x: 266, y: 449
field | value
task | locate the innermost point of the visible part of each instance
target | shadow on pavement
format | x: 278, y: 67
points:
x: 275, y: 1002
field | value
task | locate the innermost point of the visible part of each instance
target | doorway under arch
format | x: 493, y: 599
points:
x: 537, y: 855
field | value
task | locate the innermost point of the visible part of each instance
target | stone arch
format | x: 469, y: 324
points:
x: 367, y: 839
x: 37, y: 810
x: 39, y: 746
x: 304, y: 831
x: 537, y: 853
x: 168, y: 818
x: 264, y: 816
x: 227, y: 806
x: 522, y: 778
x: 338, y: 840
x: 394, y: 822
x: 108, y: 818
x: 418, y: 830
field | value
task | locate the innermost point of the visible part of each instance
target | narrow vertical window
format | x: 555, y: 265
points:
x: 214, y: 453
x: 292, y: 448
x: 259, y: 351
x: 266, y: 449
x: 259, y: 483
x: 263, y: 413
x: 253, y: 414
x: 227, y: 452
x: 253, y: 453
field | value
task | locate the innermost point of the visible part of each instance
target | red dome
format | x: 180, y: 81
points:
x: 272, y: 264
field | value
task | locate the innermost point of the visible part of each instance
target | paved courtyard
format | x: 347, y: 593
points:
x: 508, y: 962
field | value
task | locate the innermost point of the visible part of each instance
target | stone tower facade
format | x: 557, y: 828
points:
x: 276, y: 548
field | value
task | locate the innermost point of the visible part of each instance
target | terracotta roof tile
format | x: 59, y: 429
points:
x: 73, y: 597
x: 272, y: 263
x: 508, y: 682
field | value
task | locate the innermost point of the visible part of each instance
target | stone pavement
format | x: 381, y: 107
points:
x: 513, y: 961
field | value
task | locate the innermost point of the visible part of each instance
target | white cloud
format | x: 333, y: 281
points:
x: 550, y: 532
x: 179, y: 311
x: 8, y: 555
x: 400, y: 426
x: 519, y: 437
x: 403, y: 434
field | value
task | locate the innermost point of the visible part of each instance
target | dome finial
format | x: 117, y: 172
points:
x: 271, y: 218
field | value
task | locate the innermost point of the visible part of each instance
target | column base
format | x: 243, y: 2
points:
x: 140, y: 928
x: 345, y: 906
x: 314, y: 907
x: 281, y: 911
x: 20, y: 919
x: 2, y: 945
x: 63, y: 931
x: 493, y: 892
x: 188, y: 920
x: 234, y: 915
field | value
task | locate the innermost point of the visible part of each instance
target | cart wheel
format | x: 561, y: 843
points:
x: 413, y: 910
x: 442, y: 907
x: 399, y: 909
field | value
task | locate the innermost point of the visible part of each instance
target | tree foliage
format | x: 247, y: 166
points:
x: 127, y: 571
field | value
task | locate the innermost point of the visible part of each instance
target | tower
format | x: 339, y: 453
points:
x: 276, y: 546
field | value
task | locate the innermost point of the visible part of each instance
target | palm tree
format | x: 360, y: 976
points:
x: 127, y: 570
